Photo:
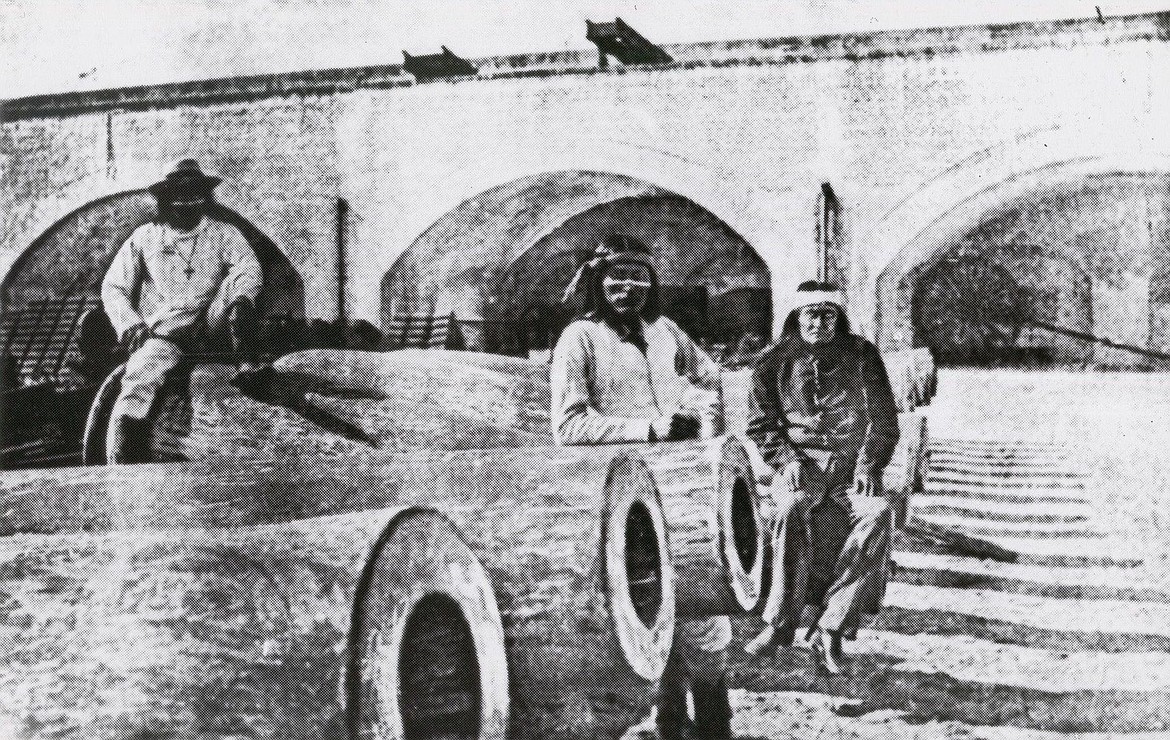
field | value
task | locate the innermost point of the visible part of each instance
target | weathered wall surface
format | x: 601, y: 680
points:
x: 921, y: 135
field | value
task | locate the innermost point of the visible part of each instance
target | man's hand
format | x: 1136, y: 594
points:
x: 674, y: 427
x: 794, y: 476
x: 135, y: 337
x: 866, y: 483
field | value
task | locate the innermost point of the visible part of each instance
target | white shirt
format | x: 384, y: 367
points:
x: 605, y: 390
x: 168, y: 278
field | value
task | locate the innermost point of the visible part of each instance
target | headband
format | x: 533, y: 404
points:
x: 805, y: 298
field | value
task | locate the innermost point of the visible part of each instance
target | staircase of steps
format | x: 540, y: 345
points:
x: 1013, y: 614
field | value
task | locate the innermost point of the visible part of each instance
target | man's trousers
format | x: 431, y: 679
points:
x: 831, y: 549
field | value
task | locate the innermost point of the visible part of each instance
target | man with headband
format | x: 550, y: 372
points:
x: 623, y: 372
x: 823, y: 416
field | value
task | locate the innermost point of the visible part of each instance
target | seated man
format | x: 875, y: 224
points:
x: 177, y: 286
x: 823, y: 415
x: 624, y: 373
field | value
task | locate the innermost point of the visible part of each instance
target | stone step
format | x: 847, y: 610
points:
x: 1008, y: 511
x: 995, y: 444
x: 1067, y: 552
x: 953, y: 571
x: 1098, y: 616
x: 1002, y: 528
x: 1018, y: 495
x: 948, y: 623
x: 1062, y: 462
x: 942, y: 478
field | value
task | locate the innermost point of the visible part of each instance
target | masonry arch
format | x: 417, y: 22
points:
x: 500, y: 260
x: 71, y: 256
x: 1055, y: 171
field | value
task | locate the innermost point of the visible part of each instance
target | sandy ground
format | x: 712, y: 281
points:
x: 969, y: 648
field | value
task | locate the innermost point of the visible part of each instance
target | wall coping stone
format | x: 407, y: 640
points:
x: 910, y: 43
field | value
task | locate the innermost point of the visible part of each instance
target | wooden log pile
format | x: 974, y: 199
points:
x: 293, y: 507
x: 573, y: 540
x: 294, y: 631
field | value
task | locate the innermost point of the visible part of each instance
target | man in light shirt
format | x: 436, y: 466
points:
x: 181, y: 284
x: 623, y: 372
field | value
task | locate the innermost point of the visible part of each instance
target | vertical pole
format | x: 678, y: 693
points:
x: 111, y: 167
x: 342, y: 219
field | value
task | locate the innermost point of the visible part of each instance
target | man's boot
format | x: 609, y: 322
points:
x: 129, y: 441
x: 712, y: 709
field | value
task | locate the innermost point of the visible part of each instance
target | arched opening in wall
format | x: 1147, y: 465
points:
x: 500, y: 262
x: 73, y: 254
x: 976, y: 308
x: 59, y: 277
x: 57, y: 350
x: 1066, y: 275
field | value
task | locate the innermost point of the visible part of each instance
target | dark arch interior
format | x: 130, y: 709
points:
x: 71, y: 257
x: 643, y: 564
x: 500, y: 262
x: 745, y: 528
x: 712, y: 282
x: 439, y: 673
x: 1037, y: 278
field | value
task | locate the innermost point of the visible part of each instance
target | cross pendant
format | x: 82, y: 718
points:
x: 189, y: 272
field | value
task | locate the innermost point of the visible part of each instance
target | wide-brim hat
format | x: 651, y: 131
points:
x: 186, y: 178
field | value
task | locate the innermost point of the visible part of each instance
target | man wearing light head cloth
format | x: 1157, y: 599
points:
x: 183, y: 283
x: 823, y: 415
x: 624, y: 373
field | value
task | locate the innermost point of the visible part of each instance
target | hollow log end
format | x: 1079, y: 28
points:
x: 741, y: 525
x: 639, y: 578
x: 426, y: 649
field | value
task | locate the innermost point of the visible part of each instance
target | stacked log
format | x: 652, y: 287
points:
x: 574, y: 542
x: 437, y: 393
x: 906, y: 471
x: 717, y: 533
x: 299, y: 631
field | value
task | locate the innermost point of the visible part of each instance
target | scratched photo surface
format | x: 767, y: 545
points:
x: 444, y: 370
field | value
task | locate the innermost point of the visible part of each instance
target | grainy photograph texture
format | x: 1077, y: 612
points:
x: 380, y: 370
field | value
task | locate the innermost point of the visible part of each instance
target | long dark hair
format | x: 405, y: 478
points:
x: 791, y: 328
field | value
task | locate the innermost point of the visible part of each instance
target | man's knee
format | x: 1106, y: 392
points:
x: 785, y: 500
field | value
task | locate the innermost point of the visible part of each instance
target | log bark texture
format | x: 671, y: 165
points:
x: 717, y: 534
x: 573, y: 539
x: 441, y: 397
x: 268, y: 632
x: 332, y: 401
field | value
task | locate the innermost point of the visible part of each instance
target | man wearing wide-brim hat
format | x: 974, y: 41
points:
x: 183, y: 283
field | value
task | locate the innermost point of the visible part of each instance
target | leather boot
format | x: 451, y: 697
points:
x: 712, y: 709
x: 129, y: 441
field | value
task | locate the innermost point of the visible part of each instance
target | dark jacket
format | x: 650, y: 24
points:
x: 832, y: 400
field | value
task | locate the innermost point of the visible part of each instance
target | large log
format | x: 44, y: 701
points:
x: 717, y: 534
x: 378, y: 624
x: 574, y: 541
x: 438, y: 395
